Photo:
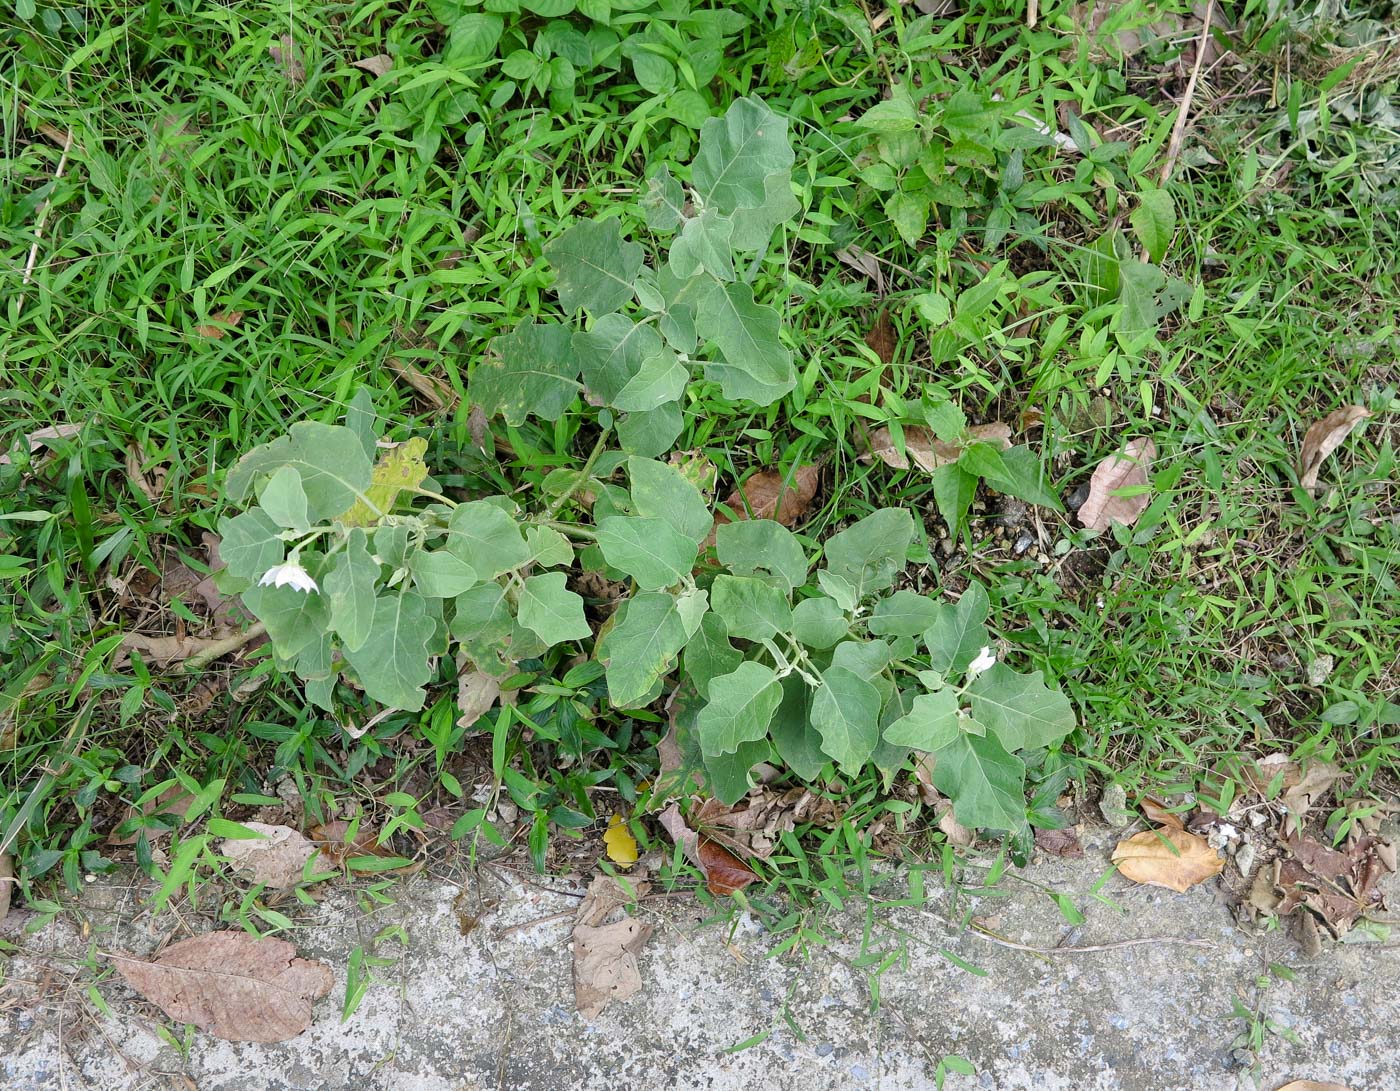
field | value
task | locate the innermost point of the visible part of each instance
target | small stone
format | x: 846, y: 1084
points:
x: 1244, y: 858
x: 1113, y: 805
x: 1320, y: 669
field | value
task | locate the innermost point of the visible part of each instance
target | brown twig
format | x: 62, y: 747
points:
x: 1090, y: 948
x: 1183, y: 112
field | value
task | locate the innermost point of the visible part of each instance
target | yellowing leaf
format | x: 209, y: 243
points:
x: 1175, y: 859
x: 622, y: 846
x: 397, y: 469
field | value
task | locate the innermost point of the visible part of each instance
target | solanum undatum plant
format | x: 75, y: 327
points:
x: 774, y: 648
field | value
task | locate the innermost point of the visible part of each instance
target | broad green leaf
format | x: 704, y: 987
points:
x: 930, y: 724
x: 944, y: 416
x: 709, y: 653
x: 959, y: 631
x: 1020, y: 709
x: 548, y: 548
x: 391, y: 544
x: 756, y: 367
x: 250, y: 544
x: 909, y: 214
x: 663, y: 204
x: 487, y: 539
x: 392, y: 664
x: 693, y: 606
x: 867, y: 658
x: 869, y: 553
x: 472, y: 38
x: 481, y: 621
x: 548, y: 9
x: 551, y: 610
x: 397, y: 470
x: 895, y: 114
x: 313, y: 662
x: 819, y: 622
x: 704, y: 244
x: 532, y: 371
x: 661, y: 491
x: 727, y: 775
x: 641, y: 647
x: 748, y: 546
x: 595, y: 268
x: 293, y: 618
x: 283, y: 498
x: 741, y: 706
x: 1138, y: 286
x: 904, y: 613
x: 652, y: 432
x: 683, y: 300
x: 349, y: 589
x: 651, y: 551
x: 986, y: 784
x: 798, y: 743
x: 612, y: 353
x: 1154, y: 222
x: 1019, y: 473
x: 754, y: 227
x: 840, y: 589
x: 737, y: 153
x: 361, y: 418
x: 331, y: 462
x: 661, y: 379
x: 751, y: 609
x: 953, y: 491
x: 846, y: 711
x: 441, y: 573
x: 982, y: 460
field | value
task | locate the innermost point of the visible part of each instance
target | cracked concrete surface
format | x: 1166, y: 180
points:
x: 494, y: 1008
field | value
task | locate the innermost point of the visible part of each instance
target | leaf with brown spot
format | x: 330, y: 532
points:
x: 1062, y: 842
x: 235, y: 986
x: 696, y: 467
x: 1127, y: 470
x: 881, y: 338
x: 377, y: 65
x: 1324, y: 437
x: 1175, y: 859
x: 219, y: 324
x: 724, y: 872
x: 276, y: 859
x: 772, y: 494
x: 927, y: 450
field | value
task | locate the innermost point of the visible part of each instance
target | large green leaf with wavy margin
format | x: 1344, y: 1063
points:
x: 641, y: 647
x: 756, y: 367
x: 329, y: 459
x: 531, y: 371
x: 846, y: 712
x: 392, y: 664
x: 349, y: 589
x: 1020, y: 709
x: 986, y: 784
x: 737, y: 154
x: 741, y: 706
x: 595, y: 268
x: 651, y: 551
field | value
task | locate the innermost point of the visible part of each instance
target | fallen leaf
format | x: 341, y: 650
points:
x: 923, y: 779
x: 606, y: 893
x: 881, y: 338
x: 865, y: 263
x: 331, y: 839
x: 958, y: 835
x: 161, y: 650
x: 621, y: 845
x: 1175, y: 859
x: 1323, y: 438
x: 771, y: 494
x: 1119, y: 471
x: 928, y: 451
x: 754, y: 826
x: 1062, y: 842
x: 276, y: 859
x: 1156, y: 811
x: 150, y: 486
x: 1312, y: 1085
x: 7, y: 882
x: 219, y: 324
x: 477, y: 691
x: 724, y: 872
x: 41, y: 437
x: 377, y: 65
x: 235, y: 986
x: 434, y: 391
x: 605, y: 964
x: 288, y: 57
x: 1315, y: 781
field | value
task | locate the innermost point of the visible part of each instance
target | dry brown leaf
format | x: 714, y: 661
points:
x: 1315, y: 781
x: 753, y: 827
x: 923, y: 779
x: 40, y: 438
x: 724, y: 872
x: 865, y: 263
x: 477, y: 691
x: 162, y: 650
x: 276, y: 859
x: 1312, y: 1085
x: 1119, y: 471
x: 927, y: 450
x: 1156, y: 811
x: 605, y: 964
x: 881, y: 338
x: 1175, y: 859
x: 606, y: 893
x: 7, y: 882
x: 288, y: 57
x: 150, y: 486
x: 1062, y: 842
x: 331, y: 840
x: 1323, y: 438
x: 958, y: 835
x: 377, y: 65
x: 771, y: 494
x: 219, y: 325
x: 235, y: 986
x: 434, y: 391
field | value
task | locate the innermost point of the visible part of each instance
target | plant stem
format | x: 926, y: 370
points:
x: 223, y: 647
x: 582, y: 474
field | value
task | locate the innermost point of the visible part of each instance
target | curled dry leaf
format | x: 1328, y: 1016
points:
x: 41, y: 437
x: 233, y: 985
x: 1323, y: 438
x: 477, y: 691
x: 148, y: 485
x: 162, y: 650
x: 276, y: 859
x: 377, y: 65
x: 335, y: 844
x: 1175, y: 859
x: 1156, y: 811
x: 605, y: 963
x: 219, y: 325
x: 1310, y: 787
x: 927, y: 451
x: 1119, y: 471
x: 773, y: 494
x: 606, y: 893
x: 724, y: 872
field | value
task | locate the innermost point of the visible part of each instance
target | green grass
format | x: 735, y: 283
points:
x: 358, y: 222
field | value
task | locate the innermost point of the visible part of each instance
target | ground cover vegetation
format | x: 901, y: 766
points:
x: 496, y: 421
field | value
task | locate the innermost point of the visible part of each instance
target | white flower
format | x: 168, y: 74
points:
x: 985, y: 658
x: 290, y: 575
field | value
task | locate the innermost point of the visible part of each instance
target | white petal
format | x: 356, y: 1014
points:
x: 985, y: 658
